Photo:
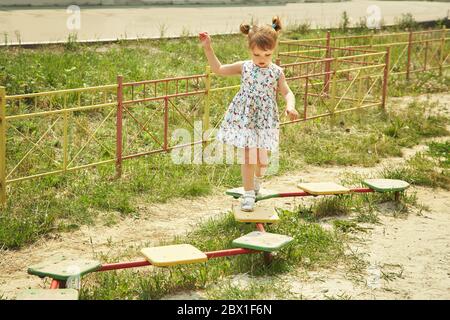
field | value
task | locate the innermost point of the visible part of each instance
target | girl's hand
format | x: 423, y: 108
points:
x: 292, y: 113
x: 205, y: 39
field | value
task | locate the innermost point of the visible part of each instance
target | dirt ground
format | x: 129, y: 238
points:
x: 407, y: 258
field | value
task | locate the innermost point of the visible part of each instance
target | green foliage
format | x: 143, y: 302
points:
x: 421, y: 170
x: 406, y: 22
x: 65, y: 202
x: 440, y: 151
x: 345, y: 21
x: 312, y: 247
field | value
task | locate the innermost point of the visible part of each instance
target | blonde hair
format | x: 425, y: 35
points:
x: 264, y: 37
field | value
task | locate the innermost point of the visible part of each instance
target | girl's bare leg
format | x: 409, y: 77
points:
x: 248, y: 168
x: 262, y: 163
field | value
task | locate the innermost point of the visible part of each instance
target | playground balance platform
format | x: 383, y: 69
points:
x: 62, y: 269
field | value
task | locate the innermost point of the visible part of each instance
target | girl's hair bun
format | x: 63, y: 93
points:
x: 245, y: 28
x: 276, y: 23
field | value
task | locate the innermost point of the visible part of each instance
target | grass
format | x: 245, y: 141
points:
x: 348, y: 226
x: 441, y: 152
x: 65, y: 202
x: 358, y: 139
x: 421, y: 170
x: 424, y: 82
x: 59, y: 203
x: 429, y: 168
x: 255, y: 289
x: 312, y: 246
x: 323, y: 208
x: 390, y: 272
x: 76, y: 65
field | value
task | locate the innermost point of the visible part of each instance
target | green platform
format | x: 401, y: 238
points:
x: 262, y: 241
x: 47, y: 294
x: 238, y: 192
x: 62, y: 267
x: 386, y: 185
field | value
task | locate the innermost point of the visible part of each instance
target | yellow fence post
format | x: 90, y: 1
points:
x: 2, y: 146
x: 334, y: 70
x: 359, y: 95
x: 441, y: 58
x: 65, y: 139
x: 408, y: 65
x: 327, y: 64
x: 119, y: 126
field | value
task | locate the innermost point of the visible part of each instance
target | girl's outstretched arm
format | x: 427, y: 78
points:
x: 289, y: 97
x: 216, y: 66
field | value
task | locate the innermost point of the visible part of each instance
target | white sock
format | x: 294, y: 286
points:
x: 250, y: 193
x: 258, y: 181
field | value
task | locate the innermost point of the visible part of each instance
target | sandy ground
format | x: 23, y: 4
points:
x: 100, y: 23
x: 412, y: 253
x: 406, y: 258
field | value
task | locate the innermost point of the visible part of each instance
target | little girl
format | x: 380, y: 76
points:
x: 251, y: 122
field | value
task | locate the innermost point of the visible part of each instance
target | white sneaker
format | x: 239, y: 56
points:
x: 248, y: 201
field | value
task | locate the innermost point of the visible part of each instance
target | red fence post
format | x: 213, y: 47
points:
x: 385, y: 77
x: 306, y: 97
x: 119, y: 120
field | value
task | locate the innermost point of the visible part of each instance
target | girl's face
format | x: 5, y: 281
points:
x: 261, y: 58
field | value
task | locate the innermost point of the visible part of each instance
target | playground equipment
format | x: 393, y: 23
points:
x: 62, y: 269
x: 329, y: 188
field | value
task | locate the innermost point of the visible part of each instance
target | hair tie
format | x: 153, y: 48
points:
x: 274, y: 25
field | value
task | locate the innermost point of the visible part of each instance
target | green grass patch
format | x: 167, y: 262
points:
x: 421, y: 170
x: 362, y: 139
x: 423, y: 82
x: 251, y: 289
x: 441, y: 152
x: 65, y: 202
x: 346, y: 226
x: 312, y: 247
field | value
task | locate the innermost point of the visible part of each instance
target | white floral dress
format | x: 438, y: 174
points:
x: 252, y: 117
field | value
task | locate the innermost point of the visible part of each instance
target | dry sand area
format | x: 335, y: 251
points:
x: 406, y: 258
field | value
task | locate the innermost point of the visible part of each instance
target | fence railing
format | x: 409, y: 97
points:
x: 334, y: 85
x: 55, y: 132
x: 411, y: 52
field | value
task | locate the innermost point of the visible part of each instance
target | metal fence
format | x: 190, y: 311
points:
x: 60, y: 131
x: 411, y: 52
